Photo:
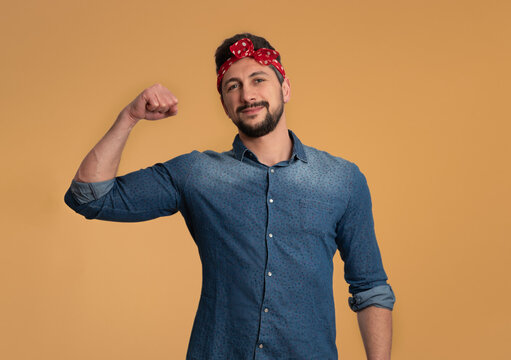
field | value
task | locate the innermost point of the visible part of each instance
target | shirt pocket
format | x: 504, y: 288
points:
x: 316, y: 217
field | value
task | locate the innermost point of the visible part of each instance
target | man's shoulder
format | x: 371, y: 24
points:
x: 213, y: 158
x: 201, y: 159
x: 200, y: 155
x: 322, y: 158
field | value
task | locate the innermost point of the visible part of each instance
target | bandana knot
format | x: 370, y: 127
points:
x: 245, y: 48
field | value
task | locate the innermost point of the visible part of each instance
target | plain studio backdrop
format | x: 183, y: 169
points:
x: 415, y: 92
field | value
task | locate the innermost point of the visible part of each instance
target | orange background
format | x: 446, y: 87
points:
x: 415, y: 92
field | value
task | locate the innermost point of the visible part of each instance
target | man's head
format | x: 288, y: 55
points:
x: 252, y: 93
x: 223, y: 52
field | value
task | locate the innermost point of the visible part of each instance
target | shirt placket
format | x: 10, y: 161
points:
x: 263, y: 345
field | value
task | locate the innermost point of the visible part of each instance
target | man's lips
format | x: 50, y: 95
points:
x: 252, y: 110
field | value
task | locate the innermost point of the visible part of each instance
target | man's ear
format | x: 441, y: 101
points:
x: 286, y: 89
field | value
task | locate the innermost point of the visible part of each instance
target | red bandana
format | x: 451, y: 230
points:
x: 245, y: 48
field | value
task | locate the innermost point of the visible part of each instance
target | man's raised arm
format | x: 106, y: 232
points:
x: 102, y: 162
x: 97, y: 193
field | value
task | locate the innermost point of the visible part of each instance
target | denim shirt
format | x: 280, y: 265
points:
x: 266, y: 237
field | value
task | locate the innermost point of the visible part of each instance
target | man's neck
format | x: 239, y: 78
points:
x: 271, y: 148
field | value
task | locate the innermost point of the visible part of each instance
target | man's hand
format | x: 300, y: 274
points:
x: 154, y: 103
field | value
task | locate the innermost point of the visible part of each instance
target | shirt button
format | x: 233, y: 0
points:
x: 266, y: 310
x: 269, y: 273
x: 260, y: 346
x: 270, y: 235
x: 272, y: 171
x: 271, y: 200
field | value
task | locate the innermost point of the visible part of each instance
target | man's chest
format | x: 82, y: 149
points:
x: 292, y: 202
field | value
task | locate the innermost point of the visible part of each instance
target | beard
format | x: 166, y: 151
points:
x: 264, y: 127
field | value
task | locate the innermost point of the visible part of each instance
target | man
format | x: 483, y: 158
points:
x: 267, y: 217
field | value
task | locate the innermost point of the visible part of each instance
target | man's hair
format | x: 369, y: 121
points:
x: 223, y: 52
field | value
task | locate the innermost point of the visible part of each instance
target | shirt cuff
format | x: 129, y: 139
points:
x: 380, y: 296
x: 87, y: 192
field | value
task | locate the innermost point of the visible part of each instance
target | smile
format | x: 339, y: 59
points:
x: 252, y: 110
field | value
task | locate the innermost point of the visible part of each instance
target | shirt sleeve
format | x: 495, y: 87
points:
x: 137, y: 196
x: 87, y: 192
x: 358, y: 248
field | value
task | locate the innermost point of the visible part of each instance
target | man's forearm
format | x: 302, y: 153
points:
x: 102, y: 162
x: 376, y: 329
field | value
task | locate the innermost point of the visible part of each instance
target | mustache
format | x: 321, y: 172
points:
x: 256, y: 104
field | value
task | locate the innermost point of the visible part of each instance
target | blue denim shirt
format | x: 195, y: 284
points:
x: 266, y: 237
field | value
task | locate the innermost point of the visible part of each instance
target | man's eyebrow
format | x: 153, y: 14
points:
x: 257, y: 73
x: 231, y: 80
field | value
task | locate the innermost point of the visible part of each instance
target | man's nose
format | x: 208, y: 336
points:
x: 248, y: 94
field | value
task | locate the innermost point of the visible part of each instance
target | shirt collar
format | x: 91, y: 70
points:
x: 240, y: 150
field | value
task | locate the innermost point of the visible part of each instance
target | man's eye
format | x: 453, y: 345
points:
x: 232, y: 87
x: 259, y: 80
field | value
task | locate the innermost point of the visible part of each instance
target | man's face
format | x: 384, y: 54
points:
x: 253, y: 97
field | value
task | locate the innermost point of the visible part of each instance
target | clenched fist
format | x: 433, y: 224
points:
x: 154, y: 103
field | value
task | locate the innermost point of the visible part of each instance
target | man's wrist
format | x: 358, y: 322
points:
x: 126, y: 119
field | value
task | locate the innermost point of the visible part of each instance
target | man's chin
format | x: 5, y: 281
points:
x: 251, y: 131
x: 256, y: 130
x: 256, y: 125
x: 251, y: 121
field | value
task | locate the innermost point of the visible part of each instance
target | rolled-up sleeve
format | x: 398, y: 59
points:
x: 137, y: 196
x: 380, y: 296
x: 358, y: 248
x: 87, y: 192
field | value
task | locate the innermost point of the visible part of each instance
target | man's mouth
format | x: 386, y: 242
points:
x: 253, y: 109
